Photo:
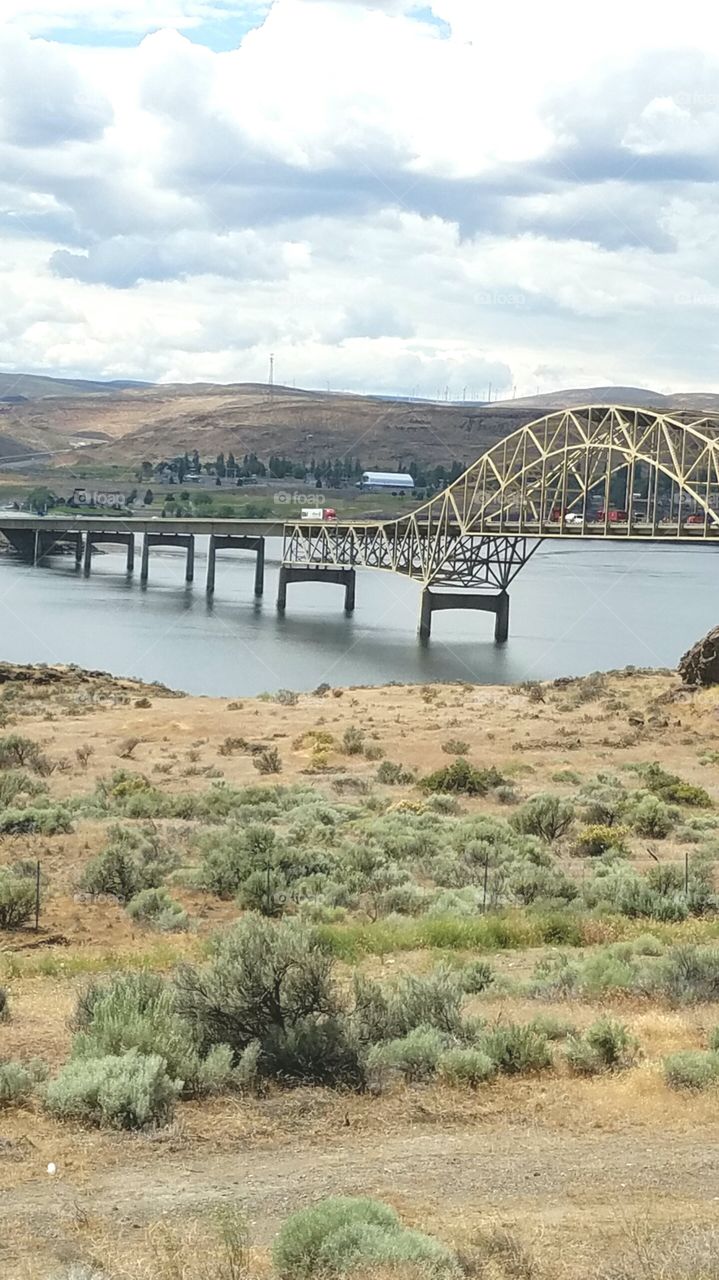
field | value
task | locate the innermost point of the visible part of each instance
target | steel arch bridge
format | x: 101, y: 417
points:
x: 595, y: 472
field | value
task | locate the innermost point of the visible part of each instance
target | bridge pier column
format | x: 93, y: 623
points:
x: 116, y: 539
x: 240, y: 542
x: 293, y: 573
x: 260, y: 568
x: 211, y: 558
x: 186, y: 540
x: 145, y: 562
x: 78, y: 550
x: 433, y: 601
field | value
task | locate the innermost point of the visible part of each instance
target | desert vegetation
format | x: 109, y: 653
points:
x: 291, y: 920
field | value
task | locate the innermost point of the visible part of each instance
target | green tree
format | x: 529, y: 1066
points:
x: 149, y: 498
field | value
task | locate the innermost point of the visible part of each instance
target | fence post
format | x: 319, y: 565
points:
x: 37, y: 896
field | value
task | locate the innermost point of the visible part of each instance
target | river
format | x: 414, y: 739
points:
x: 575, y: 608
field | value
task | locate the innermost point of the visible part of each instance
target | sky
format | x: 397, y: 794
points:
x: 412, y: 198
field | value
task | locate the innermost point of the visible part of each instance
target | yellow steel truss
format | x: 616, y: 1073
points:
x: 557, y: 477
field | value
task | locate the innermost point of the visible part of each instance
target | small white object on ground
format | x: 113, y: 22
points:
x: 52, y: 1168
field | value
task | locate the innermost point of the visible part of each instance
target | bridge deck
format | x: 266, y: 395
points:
x: 665, y: 531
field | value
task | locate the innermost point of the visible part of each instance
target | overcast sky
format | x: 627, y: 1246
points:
x: 390, y: 196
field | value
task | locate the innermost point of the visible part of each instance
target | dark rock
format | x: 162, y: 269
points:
x: 700, y: 664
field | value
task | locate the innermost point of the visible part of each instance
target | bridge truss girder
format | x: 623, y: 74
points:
x: 477, y: 532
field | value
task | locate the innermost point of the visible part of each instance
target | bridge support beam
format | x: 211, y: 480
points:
x: 93, y: 540
x: 432, y: 601
x: 220, y: 542
x: 341, y: 577
x: 186, y: 540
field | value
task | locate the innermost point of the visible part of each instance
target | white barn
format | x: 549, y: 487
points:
x: 387, y: 481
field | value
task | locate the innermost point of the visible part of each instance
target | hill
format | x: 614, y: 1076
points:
x: 121, y: 423
x: 631, y: 397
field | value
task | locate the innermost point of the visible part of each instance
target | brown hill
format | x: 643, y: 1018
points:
x: 131, y: 424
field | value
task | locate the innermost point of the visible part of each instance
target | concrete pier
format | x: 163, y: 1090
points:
x: 186, y: 540
x: 432, y: 601
x: 47, y: 544
x: 340, y: 577
x: 93, y: 540
x: 221, y: 542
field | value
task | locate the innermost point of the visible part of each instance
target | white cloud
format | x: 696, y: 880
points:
x: 379, y: 204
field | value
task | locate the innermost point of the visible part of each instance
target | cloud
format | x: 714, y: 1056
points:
x: 380, y: 206
x: 44, y: 100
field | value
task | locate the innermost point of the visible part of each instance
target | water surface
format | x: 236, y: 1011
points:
x: 575, y: 608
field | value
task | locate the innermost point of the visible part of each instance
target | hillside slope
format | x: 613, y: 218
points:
x: 112, y: 424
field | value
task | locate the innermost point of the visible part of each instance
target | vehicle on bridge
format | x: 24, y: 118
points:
x: 318, y: 513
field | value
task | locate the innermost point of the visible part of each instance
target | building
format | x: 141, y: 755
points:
x: 386, y: 482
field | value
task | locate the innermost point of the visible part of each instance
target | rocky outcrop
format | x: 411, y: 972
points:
x: 700, y: 664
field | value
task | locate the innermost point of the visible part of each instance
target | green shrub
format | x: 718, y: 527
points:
x: 517, y: 1049
x: 48, y: 820
x: 551, y: 1027
x: 671, y: 788
x: 155, y: 908
x: 286, y: 697
x: 463, y: 778
x: 16, y: 785
x: 477, y: 976
x: 17, y: 752
x: 344, y: 1233
x: 692, y: 1069
x: 17, y: 1081
x: 394, y: 775
x: 651, y: 817
x: 596, y: 840
x: 547, y: 816
x: 605, y: 1046
x: 688, y: 975
x: 137, y: 1011
x: 361, y: 1246
x: 297, y: 1246
x: 466, y: 1066
x: 132, y: 861
x: 267, y: 761
x: 391, y: 1012
x: 17, y: 899
x: 352, y: 741
x: 128, y: 1091
x: 456, y: 747
x: 4, y: 1005
x: 272, y: 983
x: 415, y: 1055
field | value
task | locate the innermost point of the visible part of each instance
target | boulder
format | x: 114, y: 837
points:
x: 700, y: 664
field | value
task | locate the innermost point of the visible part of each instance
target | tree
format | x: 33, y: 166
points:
x: 40, y: 499
x: 149, y: 498
x: 146, y: 469
x: 220, y: 468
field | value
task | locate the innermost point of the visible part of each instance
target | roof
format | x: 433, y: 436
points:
x: 387, y: 477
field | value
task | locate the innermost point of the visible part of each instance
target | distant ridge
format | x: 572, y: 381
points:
x: 35, y: 386
x: 632, y: 397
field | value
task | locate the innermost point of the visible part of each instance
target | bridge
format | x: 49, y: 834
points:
x: 595, y: 472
